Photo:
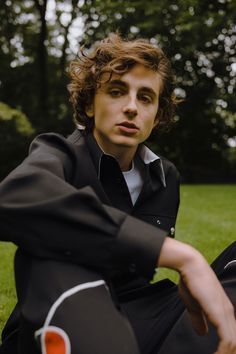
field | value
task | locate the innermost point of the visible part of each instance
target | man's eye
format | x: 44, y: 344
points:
x: 115, y: 93
x: 145, y: 98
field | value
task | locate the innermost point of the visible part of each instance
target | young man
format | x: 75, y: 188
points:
x: 93, y: 217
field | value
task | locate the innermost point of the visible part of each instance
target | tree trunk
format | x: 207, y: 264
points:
x: 66, y: 32
x: 42, y: 59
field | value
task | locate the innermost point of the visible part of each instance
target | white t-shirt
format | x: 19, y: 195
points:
x: 134, y: 179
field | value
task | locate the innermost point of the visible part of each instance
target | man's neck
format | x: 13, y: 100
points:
x: 123, y: 154
x: 124, y: 161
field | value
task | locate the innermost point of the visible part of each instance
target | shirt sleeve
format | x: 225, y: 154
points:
x: 45, y: 215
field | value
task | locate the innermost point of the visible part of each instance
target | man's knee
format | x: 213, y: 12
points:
x: 71, y: 306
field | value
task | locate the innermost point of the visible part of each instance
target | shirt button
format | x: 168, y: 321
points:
x: 172, y: 231
x: 158, y: 222
x: 132, y: 268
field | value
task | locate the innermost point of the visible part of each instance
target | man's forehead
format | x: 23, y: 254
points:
x: 138, y: 74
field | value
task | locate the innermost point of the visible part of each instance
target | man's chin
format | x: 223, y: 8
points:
x: 126, y: 142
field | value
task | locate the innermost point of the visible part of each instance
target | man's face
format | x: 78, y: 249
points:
x: 125, y: 109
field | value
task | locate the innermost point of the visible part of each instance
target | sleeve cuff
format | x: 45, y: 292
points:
x: 140, y: 244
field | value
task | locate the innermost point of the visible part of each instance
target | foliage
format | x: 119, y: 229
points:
x: 22, y: 124
x: 198, y: 36
x: 15, y: 134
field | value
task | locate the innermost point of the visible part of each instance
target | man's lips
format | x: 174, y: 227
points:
x: 128, y: 125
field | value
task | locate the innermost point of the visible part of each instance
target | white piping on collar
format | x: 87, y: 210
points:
x: 79, y: 126
x: 148, y: 156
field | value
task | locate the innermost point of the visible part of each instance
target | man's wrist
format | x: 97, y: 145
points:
x: 178, y: 256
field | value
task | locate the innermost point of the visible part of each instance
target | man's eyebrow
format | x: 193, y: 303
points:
x: 125, y: 85
x: 117, y: 83
x: 148, y: 90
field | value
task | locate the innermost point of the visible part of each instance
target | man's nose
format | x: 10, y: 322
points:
x: 130, y: 108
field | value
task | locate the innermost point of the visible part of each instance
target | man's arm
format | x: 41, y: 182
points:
x: 46, y: 215
x: 202, y: 293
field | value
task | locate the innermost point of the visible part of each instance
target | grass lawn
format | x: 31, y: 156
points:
x: 7, y: 290
x: 206, y: 220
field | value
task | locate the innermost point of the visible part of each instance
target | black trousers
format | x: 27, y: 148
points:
x: 69, y: 309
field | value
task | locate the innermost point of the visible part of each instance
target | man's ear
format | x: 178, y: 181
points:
x: 158, y: 118
x: 89, y: 110
x: 156, y: 122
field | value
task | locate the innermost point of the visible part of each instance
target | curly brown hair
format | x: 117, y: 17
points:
x: 116, y: 55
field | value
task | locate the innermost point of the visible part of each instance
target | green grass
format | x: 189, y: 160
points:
x: 206, y: 220
x: 7, y: 289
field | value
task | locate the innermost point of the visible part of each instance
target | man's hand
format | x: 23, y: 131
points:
x: 201, y: 292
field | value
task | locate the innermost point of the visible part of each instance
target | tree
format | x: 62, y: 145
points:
x: 198, y: 36
x: 15, y: 134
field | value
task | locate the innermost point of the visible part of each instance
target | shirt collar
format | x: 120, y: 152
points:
x: 146, y: 155
x: 95, y: 151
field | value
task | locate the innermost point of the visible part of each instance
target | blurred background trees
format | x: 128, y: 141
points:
x: 15, y: 134
x: 39, y: 37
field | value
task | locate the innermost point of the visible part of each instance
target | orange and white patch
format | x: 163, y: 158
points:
x: 54, y: 340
